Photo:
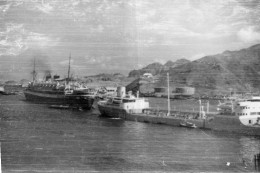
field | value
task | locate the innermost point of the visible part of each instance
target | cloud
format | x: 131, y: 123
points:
x: 4, y: 8
x: 45, y: 8
x: 249, y: 34
x: 204, y: 20
x: 15, y: 39
x: 37, y: 40
x: 66, y: 62
x: 162, y: 61
x: 215, y: 21
x: 197, y: 56
x: 98, y: 60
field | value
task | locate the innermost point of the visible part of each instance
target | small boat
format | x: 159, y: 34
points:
x: 188, y: 124
x: 8, y: 93
x: 59, y: 106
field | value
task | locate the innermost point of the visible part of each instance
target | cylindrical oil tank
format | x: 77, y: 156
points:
x: 185, y: 91
x: 121, y: 92
x: 160, y: 90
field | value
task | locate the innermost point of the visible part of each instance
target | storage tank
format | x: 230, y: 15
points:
x: 185, y: 91
x: 160, y: 90
x: 121, y: 92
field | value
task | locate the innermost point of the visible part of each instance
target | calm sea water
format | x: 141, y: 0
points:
x: 35, y: 138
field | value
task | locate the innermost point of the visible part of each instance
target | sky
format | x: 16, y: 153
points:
x: 110, y: 36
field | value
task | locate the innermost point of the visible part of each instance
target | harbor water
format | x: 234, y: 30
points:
x: 35, y: 138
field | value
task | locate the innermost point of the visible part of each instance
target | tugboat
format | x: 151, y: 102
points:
x: 55, y: 91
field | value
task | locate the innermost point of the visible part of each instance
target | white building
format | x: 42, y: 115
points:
x: 147, y: 75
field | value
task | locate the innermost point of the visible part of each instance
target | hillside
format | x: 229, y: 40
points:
x: 222, y: 73
x: 229, y: 71
x: 106, y: 79
x: 157, y: 68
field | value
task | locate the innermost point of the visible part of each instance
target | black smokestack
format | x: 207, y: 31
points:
x: 47, y: 75
x: 42, y: 65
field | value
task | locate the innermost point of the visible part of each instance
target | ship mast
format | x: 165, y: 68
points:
x: 69, y: 70
x: 169, y: 106
x: 34, y: 71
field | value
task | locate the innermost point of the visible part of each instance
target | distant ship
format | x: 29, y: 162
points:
x: 55, y: 91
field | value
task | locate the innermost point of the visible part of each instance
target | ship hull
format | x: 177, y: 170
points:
x: 233, y: 124
x: 84, y: 102
x: 114, y: 112
x: 230, y: 124
x: 111, y: 111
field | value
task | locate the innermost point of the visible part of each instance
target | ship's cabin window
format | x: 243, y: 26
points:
x: 249, y: 121
x: 127, y: 100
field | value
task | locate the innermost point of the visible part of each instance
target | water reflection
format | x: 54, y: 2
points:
x: 249, y: 146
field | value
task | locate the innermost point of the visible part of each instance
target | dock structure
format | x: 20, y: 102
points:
x: 257, y: 162
x: 0, y: 159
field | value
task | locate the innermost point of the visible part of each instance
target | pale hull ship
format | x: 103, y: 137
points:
x: 244, y: 120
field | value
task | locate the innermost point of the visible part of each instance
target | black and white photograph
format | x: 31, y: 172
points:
x: 131, y: 86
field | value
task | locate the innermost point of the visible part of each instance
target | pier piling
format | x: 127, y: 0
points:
x: 257, y: 162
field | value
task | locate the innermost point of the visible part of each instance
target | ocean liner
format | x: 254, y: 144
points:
x: 57, y: 91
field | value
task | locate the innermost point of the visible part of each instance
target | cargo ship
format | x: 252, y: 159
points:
x: 243, y: 119
x: 55, y: 91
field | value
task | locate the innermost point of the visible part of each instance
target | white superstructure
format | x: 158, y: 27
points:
x: 127, y: 102
x: 248, y: 111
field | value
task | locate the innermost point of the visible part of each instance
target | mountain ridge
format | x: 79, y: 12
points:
x: 228, y: 71
x: 157, y: 68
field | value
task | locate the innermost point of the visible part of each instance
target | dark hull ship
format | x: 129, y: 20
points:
x: 62, y: 92
x: 52, y: 94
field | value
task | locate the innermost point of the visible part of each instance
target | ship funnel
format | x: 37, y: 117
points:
x: 56, y: 77
x: 48, y: 77
x: 120, y: 92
